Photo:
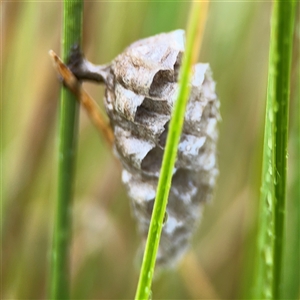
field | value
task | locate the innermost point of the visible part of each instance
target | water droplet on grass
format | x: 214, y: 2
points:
x: 165, y: 218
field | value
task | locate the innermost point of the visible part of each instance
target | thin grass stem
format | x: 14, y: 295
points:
x: 68, y: 123
x: 194, y: 37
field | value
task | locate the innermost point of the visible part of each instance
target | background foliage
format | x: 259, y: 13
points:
x: 220, y: 263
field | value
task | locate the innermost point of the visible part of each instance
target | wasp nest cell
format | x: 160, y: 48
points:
x: 140, y: 96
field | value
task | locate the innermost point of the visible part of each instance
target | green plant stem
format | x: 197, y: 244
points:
x: 273, y: 190
x: 286, y: 16
x: 291, y: 287
x: 194, y: 36
x: 68, y: 123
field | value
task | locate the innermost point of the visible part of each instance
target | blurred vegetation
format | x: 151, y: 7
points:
x: 272, y: 207
x: 105, y: 242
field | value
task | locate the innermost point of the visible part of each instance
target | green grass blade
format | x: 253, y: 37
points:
x: 194, y: 36
x: 273, y: 190
x: 286, y: 16
x: 291, y: 287
x: 68, y: 123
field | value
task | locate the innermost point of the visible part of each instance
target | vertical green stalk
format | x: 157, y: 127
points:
x: 194, y: 38
x: 273, y: 190
x: 286, y: 17
x: 291, y: 287
x: 68, y: 123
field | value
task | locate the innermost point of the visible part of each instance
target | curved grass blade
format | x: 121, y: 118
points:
x: 194, y: 38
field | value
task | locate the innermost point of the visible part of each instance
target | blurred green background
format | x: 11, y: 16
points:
x: 103, y: 253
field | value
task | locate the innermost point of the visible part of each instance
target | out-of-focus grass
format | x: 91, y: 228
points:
x: 104, y: 239
x: 291, y: 276
x: 272, y: 207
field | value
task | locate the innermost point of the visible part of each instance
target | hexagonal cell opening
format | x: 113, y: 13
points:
x: 152, y: 162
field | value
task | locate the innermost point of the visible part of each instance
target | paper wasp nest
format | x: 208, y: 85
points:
x: 139, y: 100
